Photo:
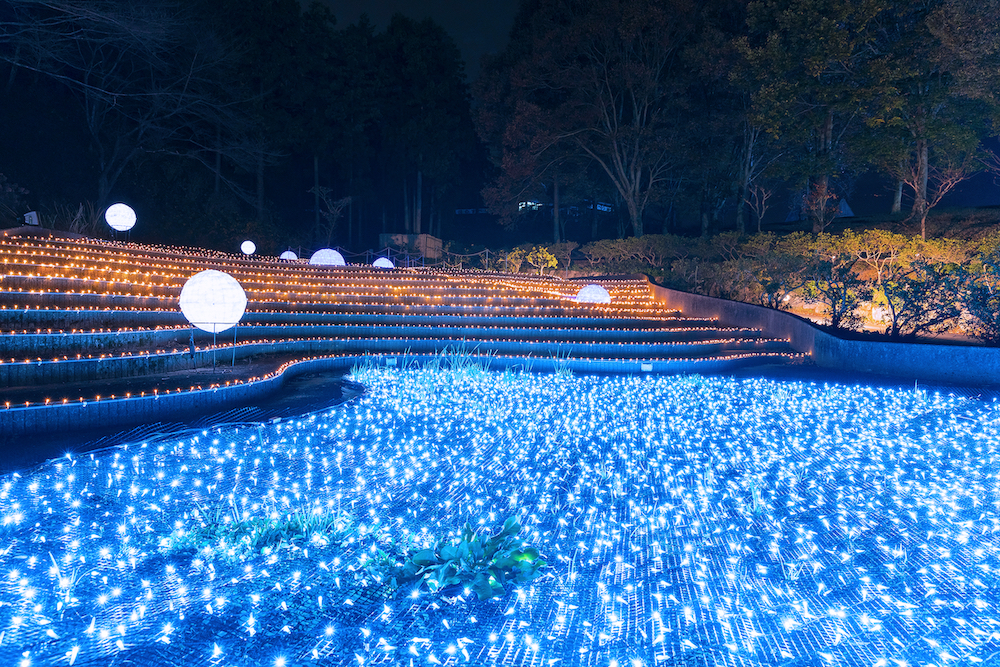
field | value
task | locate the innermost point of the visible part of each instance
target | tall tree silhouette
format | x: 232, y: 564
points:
x: 592, y: 78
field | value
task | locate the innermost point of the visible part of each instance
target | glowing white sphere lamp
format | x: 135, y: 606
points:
x: 593, y: 294
x: 213, y: 301
x: 120, y: 217
x: 248, y: 247
x: 289, y: 255
x: 327, y: 257
x: 383, y: 263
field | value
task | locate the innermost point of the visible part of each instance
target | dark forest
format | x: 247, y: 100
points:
x: 220, y: 120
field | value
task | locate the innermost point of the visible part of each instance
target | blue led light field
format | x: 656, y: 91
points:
x: 685, y: 520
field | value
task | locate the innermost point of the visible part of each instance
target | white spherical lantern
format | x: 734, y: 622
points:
x: 593, y: 294
x: 213, y: 301
x: 289, y: 255
x: 248, y: 247
x: 120, y: 217
x: 327, y: 257
x: 383, y: 263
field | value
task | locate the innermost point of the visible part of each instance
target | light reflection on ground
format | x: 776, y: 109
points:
x: 687, y: 520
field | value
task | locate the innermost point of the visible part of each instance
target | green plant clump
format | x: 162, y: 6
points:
x: 238, y: 539
x: 483, y: 564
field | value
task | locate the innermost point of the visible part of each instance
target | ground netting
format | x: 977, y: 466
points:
x: 686, y: 521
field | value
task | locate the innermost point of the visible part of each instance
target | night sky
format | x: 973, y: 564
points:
x: 477, y: 27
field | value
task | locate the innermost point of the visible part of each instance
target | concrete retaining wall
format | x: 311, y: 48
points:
x: 957, y: 364
x: 14, y: 319
x: 31, y: 320
x: 28, y: 345
x: 49, y: 372
x: 126, y: 412
x: 42, y: 372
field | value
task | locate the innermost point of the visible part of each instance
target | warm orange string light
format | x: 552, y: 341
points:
x: 135, y: 274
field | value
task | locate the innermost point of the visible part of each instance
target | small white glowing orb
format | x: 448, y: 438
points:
x: 213, y: 301
x: 248, y: 247
x: 593, y: 294
x: 289, y: 255
x: 327, y: 257
x: 120, y: 217
x: 383, y: 263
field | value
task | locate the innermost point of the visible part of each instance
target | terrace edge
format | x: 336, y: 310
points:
x: 954, y: 364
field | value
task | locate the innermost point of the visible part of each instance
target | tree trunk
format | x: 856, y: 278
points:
x: 920, y: 196
x: 635, y: 216
x: 822, y: 183
x: 555, y: 208
x: 435, y: 216
x: 820, y: 194
x: 103, y: 190
x: 218, y: 162
x: 407, y: 223
x: 13, y: 71
x: 897, y: 198
x: 260, y: 185
x: 746, y: 166
x: 741, y: 210
x: 593, y: 218
x: 418, y: 216
x: 316, y: 190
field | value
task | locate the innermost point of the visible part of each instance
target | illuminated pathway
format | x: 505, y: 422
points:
x: 687, y: 520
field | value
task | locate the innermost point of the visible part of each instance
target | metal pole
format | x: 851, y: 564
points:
x: 235, y: 327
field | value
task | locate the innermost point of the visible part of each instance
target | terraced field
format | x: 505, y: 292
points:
x: 91, y: 333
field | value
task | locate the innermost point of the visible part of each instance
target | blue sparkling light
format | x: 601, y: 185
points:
x: 700, y: 520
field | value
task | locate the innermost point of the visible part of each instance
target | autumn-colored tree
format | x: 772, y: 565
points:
x: 540, y: 258
x: 884, y: 252
x: 563, y: 252
x: 914, y: 281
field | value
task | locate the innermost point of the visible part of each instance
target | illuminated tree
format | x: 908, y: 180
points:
x: 540, y: 258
